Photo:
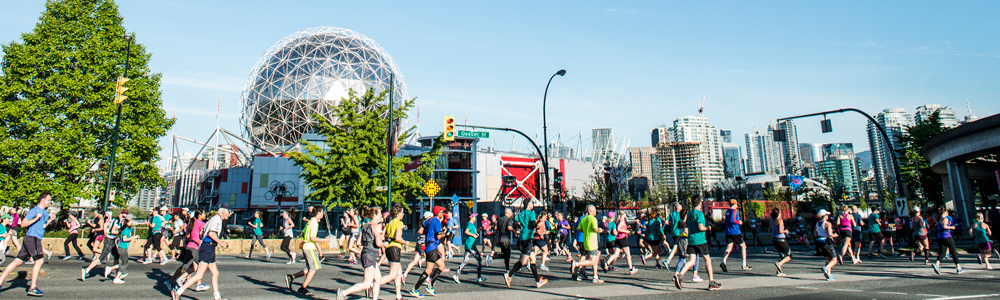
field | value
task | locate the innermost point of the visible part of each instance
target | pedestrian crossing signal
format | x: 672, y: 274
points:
x: 449, y: 129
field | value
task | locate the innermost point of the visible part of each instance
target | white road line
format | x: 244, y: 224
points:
x: 808, y: 287
x: 893, y: 293
x: 847, y: 290
x: 929, y: 295
x: 969, y: 297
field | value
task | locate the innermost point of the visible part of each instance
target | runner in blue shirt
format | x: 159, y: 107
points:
x: 734, y: 236
x: 435, y: 263
x: 36, y: 221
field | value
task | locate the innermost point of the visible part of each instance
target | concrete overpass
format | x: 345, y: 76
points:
x: 962, y: 153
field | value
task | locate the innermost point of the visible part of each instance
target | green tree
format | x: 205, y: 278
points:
x: 351, y: 164
x: 57, y: 112
x: 915, y: 170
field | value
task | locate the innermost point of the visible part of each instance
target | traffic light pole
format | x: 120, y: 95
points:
x: 545, y: 162
x: 388, y: 146
x: 114, y: 136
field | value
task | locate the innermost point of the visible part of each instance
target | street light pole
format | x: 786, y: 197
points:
x: 114, y: 137
x: 545, y: 134
x: 388, y: 147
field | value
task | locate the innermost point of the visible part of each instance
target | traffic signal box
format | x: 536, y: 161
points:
x: 449, y: 129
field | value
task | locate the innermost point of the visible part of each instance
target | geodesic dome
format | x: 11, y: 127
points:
x: 308, y: 72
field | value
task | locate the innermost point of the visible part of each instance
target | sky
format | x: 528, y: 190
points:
x: 631, y: 65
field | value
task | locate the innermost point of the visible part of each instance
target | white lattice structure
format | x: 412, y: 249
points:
x: 308, y: 72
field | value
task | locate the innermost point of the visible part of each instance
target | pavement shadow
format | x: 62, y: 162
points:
x: 158, y: 276
x: 271, y: 286
x: 21, y: 280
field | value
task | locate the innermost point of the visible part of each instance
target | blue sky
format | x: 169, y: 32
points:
x: 631, y: 65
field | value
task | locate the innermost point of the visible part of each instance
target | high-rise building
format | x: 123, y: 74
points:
x: 148, y: 198
x: 604, y: 144
x: 763, y: 154
x: 690, y: 129
x: 732, y: 161
x: 678, y: 168
x: 789, y: 147
x: 947, y: 115
x: 642, y: 161
x: 838, y: 149
x: 659, y: 135
x: 842, y: 171
x: 894, y: 121
x: 727, y: 136
x: 809, y: 154
x: 559, y: 150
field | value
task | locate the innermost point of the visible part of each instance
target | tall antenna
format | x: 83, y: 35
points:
x: 968, y: 106
x: 701, y: 108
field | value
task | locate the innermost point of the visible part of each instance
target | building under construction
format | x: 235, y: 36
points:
x: 677, y: 166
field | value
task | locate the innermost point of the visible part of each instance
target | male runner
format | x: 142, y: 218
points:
x: 733, y: 235
x: 111, y: 230
x: 526, y: 223
x: 36, y: 220
x: 505, y: 225
x: 309, y: 252
x: 875, y: 233
x: 435, y: 263
x: 673, y: 228
x: 697, y: 245
x: 856, y: 236
x: 591, y: 231
x: 206, y: 253
x: 154, y: 239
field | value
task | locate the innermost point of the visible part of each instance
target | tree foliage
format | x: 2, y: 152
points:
x: 924, y: 185
x: 351, y: 164
x: 57, y: 112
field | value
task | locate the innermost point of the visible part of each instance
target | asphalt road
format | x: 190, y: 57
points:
x: 891, y: 278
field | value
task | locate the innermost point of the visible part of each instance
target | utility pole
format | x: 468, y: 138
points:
x: 118, y: 118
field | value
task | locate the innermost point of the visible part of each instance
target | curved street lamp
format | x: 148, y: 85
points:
x: 545, y: 133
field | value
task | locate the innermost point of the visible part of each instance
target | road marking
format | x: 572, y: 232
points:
x: 969, y: 296
x: 893, y: 293
x: 847, y: 290
x: 808, y: 287
x: 929, y: 295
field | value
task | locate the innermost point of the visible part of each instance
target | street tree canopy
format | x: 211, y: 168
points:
x: 350, y: 166
x: 57, y: 112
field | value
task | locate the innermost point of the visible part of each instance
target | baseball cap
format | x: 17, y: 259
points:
x: 438, y: 210
x: 428, y: 214
x: 611, y: 214
x: 485, y: 215
x: 225, y: 206
x: 5, y: 216
x: 822, y: 212
x: 472, y: 216
x: 130, y: 217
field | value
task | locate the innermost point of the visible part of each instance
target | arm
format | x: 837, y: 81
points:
x: 829, y: 229
x: 469, y: 233
x: 399, y: 236
x: 946, y: 225
x: 26, y: 223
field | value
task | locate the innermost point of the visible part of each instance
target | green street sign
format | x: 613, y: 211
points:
x: 474, y: 134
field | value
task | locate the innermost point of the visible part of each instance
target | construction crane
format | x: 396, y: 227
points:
x: 701, y: 109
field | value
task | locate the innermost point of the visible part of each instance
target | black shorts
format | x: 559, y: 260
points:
x: 207, y: 252
x: 846, y: 233
x: 781, y: 246
x: 875, y: 236
x: 698, y: 250
x: 827, y: 249
x: 393, y: 254
x: 856, y: 236
x: 433, y: 256
x: 622, y: 243
x: 734, y: 239
x: 176, y: 243
x: 525, y: 246
x: 654, y: 241
x: 189, y: 258
x: 154, y: 241
x: 449, y: 237
x: 678, y: 239
x: 540, y: 243
x: 31, y: 247
x: 369, y: 258
x: 609, y: 245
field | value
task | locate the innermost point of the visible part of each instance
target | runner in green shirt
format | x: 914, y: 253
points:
x: 673, y: 228
x: 697, y: 244
x: 470, y: 250
x: 591, y: 254
x: 526, y: 219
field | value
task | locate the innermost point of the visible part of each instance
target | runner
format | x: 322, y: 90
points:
x: 167, y: 233
x: 371, y: 242
x: 111, y: 228
x: 564, y: 233
x: 543, y: 230
x: 889, y: 231
x: 435, y: 264
x: 641, y: 224
x: 825, y: 241
x: 591, y: 254
x: 673, y: 228
x: 611, y: 232
x: 697, y: 245
x: 487, y: 227
x: 155, y: 238
x: 505, y: 227
x: 309, y: 252
x: 755, y: 231
x: 394, y: 251
x: 845, y: 223
x: 126, y: 236
x: 654, y: 238
x: 450, y: 232
x: 73, y: 225
x: 470, y: 250
x: 96, y: 225
x: 5, y: 235
x: 621, y: 244
x: 191, y: 241
x: 733, y: 236
x: 258, y: 235
x: 981, y: 232
x: 206, y: 252
x: 525, y: 221
x: 36, y: 220
x: 856, y: 236
x: 178, y: 230
x: 919, y: 226
x: 875, y: 233
x: 418, y: 252
x: 946, y: 243
x: 287, y: 234
x: 778, y: 235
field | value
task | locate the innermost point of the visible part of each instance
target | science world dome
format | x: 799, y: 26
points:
x: 308, y: 72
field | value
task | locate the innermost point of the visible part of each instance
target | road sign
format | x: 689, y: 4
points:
x: 431, y: 188
x: 474, y: 134
x: 454, y: 198
x: 470, y: 203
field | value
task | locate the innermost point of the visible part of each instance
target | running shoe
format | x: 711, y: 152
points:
x: 777, y: 267
x: 288, y: 281
x: 604, y: 266
x: 597, y: 281
x: 167, y: 283
x: 246, y: 256
x: 106, y: 272
x: 124, y: 275
x: 268, y: 255
x: 340, y: 294
x: 611, y: 269
x: 826, y: 273
x: 30, y: 261
x: 416, y: 294
x: 695, y: 278
x: 35, y: 292
x: 960, y: 270
x: 723, y: 266
x: 979, y: 259
x: 81, y: 258
x: 572, y: 266
x: 201, y: 287
x: 643, y: 259
x: 937, y: 269
x: 305, y: 291
x: 677, y: 282
x: 67, y: 257
x: 912, y: 254
x: 48, y: 255
x: 118, y: 281
x: 544, y: 267
x: 430, y: 291
x: 481, y: 279
x: 506, y: 278
x: 714, y: 286
x: 632, y: 271
x: 840, y: 259
x: 747, y: 268
x: 83, y: 274
x: 576, y: 276
x: 780, y: 274
x: 541, y: 282
x: 164, y: 262
x: 456, y: 279
x: 147, y: 261
x: 290, y: 262
x: 830, y: 278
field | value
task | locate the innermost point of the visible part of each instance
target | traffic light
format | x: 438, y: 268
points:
x: 826, y: 126
x: 449, y: 129
x: 120, y: 89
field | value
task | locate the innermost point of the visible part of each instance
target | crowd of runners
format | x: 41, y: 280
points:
x: 373, y: 238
